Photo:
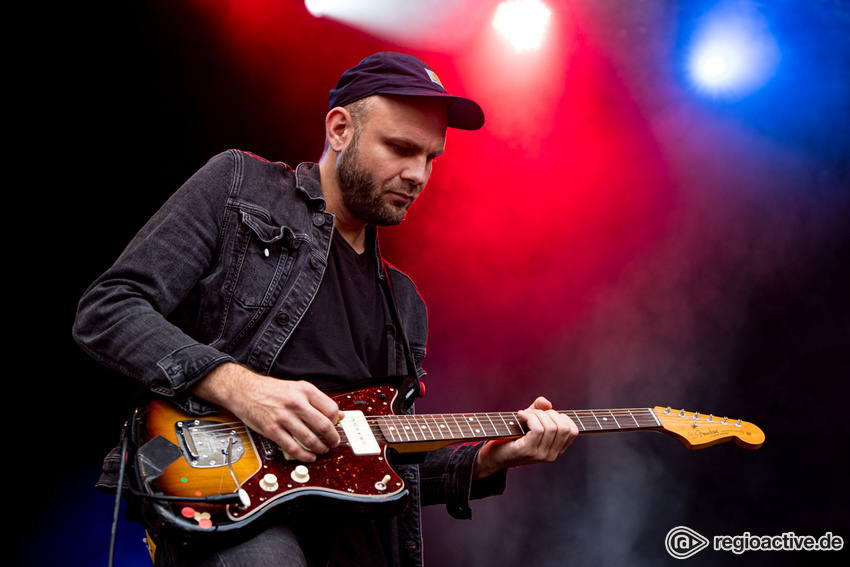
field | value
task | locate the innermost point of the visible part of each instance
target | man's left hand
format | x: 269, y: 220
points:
x: 549, y: 434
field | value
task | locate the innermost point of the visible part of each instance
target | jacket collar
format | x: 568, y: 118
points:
x: 309, y: 184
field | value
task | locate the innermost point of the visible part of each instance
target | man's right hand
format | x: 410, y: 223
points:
x: 294, y: 414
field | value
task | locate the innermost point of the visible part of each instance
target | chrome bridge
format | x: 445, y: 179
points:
x: 209, y: 444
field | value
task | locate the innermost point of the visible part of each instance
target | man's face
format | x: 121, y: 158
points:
x: 384, y: 168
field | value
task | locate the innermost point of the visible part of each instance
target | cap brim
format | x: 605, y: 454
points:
x: 463, y: 113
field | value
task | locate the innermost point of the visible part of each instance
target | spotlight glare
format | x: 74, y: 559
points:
x: 317, y: 8
x: 712, y: 68
x: 733, y: 53
x: 523, y: 23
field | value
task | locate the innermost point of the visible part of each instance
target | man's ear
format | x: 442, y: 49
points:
x: 339, y: 128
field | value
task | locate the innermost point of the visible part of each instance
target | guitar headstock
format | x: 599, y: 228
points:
x: 697, y: 431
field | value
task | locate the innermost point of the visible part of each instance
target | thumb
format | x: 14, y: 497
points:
x: 541, y: 403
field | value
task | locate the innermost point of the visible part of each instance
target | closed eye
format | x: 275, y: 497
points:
x: 401, y: 150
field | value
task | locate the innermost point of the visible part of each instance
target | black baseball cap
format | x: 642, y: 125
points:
x: 401, y: 74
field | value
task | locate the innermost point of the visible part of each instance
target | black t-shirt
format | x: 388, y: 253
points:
x: 340, y: 341
x: 341, y: 338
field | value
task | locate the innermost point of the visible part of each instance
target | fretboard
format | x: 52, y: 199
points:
x: 461, y: 427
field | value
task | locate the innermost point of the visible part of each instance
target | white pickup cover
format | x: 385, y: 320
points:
x: 359, y: 434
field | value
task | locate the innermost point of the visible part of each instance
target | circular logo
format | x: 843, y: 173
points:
x: 683, y: 542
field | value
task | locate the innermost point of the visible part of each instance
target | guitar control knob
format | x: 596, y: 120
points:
x: 269, y: 483
x: 300, y: 474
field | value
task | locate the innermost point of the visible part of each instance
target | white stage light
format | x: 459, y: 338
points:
x: 523, y: 23
x: 412, y: 22
x: 733, y: 53
x: 713, y: 68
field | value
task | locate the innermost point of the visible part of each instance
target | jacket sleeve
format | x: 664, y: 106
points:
x: 446, y: 478
x: 122, y: 319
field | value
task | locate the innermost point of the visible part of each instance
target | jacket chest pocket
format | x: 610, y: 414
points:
x: 262, y: 260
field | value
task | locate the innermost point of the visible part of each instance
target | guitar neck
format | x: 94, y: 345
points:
x: 444, y: 429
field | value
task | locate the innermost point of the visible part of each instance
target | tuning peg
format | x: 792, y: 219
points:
x: 682, y: 413
x: 668, y: 410
x: 724, y: 421
x: 710, y: 417
x: 739, y: 424
x: 696, y: 415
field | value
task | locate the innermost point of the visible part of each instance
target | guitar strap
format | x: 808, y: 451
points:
x: 401, y: 337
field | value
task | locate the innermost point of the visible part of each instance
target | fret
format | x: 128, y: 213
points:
x: 593, y: 415
x: 515, y: 422
x: 608, y: 419
x: 410, y: 427
x: 486, y: 425
x: 387, y: 429
x: 575, y: 417
x: 513, y: 427
x: 465, y: 429
x: 446, y: 427
x: 493, y: 428
x: 457, y: 426
x: 417, y: 427
x: 399, y: 429
x: 428, y: 425
x: 452, y: 425
x: 505, y: 423
x: 474, y: 425
x: 646, y: 417
x: 627, y: 420
x: 651, y: 414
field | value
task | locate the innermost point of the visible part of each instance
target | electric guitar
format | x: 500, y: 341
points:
x: 213, y: 475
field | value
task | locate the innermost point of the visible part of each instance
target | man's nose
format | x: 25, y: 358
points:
x: 417, y: 171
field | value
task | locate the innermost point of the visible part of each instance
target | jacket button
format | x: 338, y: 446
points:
x: 282, y: 319
x: 318, y: 220
x: 314, y: 262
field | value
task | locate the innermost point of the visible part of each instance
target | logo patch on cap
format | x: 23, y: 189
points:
x: 434, y: 78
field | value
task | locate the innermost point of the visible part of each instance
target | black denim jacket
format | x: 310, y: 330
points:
x: 224, y: 271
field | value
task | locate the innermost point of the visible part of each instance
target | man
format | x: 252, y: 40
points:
x: 257, y: 286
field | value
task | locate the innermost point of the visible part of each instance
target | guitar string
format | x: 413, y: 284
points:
x: 376, y: 421
x: 453, y: 421
x: 463, y: 429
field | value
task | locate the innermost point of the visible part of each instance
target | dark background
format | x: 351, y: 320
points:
x: 613, y: 237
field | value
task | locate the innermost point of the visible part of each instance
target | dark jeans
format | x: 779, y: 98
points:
x: 323, y: 541
x: 277, y: 546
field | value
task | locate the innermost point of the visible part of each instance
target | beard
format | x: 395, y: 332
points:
x: 362, y: 195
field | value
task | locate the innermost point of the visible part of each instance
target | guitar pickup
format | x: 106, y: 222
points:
x: 359, y: 433
x: 206, y: 444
